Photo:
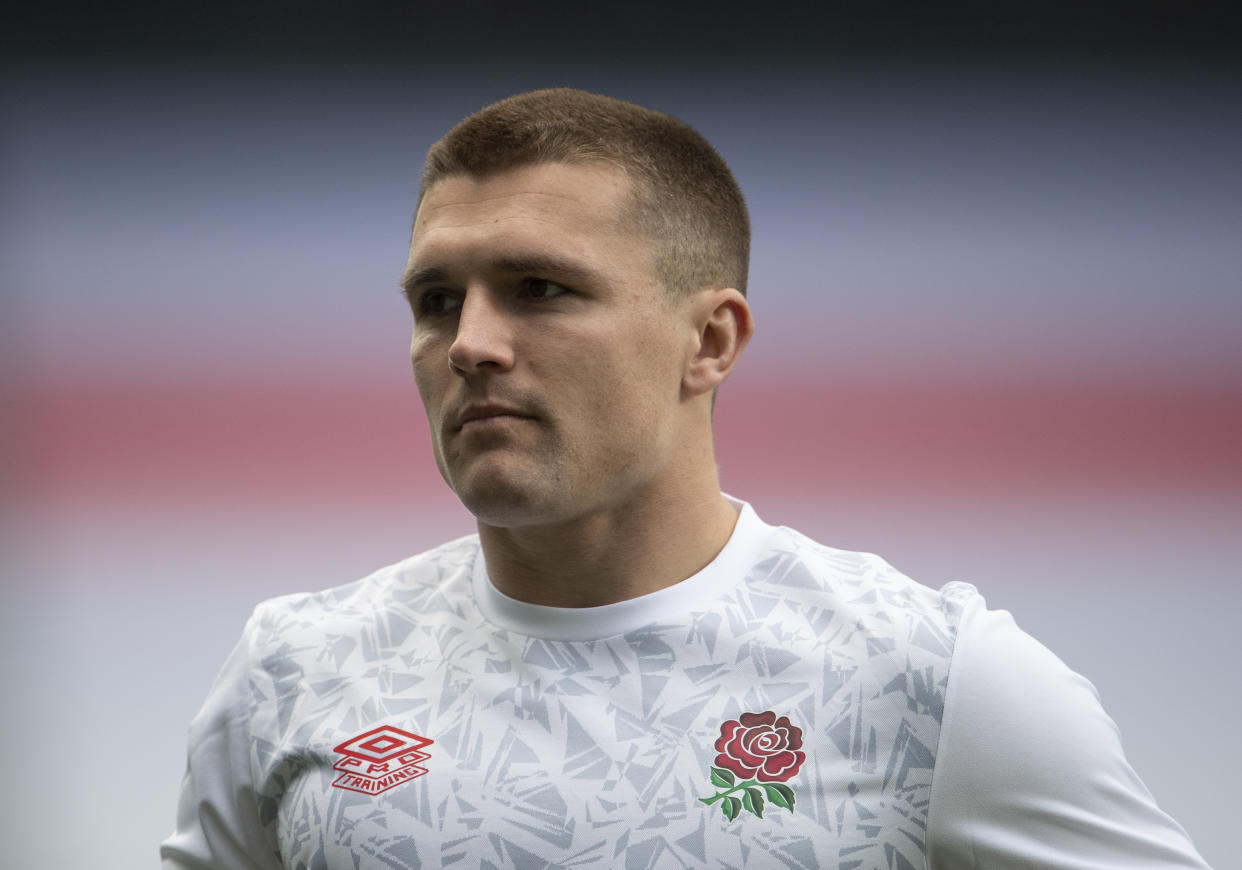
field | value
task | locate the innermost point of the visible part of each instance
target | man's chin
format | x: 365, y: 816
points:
x: 504, y: 502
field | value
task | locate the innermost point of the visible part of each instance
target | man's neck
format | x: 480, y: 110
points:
x: 611, y: 555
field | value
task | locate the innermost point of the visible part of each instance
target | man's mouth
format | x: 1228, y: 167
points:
x: 488, y: 415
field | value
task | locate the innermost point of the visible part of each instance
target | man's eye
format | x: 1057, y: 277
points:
x: 437, y: 302
x: 541, y: 288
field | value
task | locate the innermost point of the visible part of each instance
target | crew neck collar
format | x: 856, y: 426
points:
x: 596, y: 623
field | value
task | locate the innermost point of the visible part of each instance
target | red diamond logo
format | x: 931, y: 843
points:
x: 382, y: 743
x: 380, y: 759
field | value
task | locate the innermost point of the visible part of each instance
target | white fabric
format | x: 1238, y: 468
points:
x: 1030, y: 771
x: 935, y: 733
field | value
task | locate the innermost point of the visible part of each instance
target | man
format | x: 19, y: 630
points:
x: 625, y: 667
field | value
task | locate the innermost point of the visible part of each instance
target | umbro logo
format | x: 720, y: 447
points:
x: 380, y: 759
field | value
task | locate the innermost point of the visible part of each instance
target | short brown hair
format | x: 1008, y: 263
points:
x: 686, y: 199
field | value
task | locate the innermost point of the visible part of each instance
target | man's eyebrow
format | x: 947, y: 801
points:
x: 415, y: 278
x: 526, y: 264
x: 544, y: 265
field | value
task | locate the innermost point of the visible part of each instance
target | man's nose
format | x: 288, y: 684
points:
x: 484, y: 335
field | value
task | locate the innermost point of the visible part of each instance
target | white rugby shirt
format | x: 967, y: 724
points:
x: 419, y: 718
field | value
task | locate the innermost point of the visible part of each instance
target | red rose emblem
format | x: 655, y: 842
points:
x: 760, y: 746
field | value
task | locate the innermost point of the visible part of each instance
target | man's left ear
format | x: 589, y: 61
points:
x: 723, y: 327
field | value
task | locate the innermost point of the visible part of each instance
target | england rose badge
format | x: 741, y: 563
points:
x: 758, y: 754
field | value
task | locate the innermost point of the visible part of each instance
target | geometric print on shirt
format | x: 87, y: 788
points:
x: 596, y: 752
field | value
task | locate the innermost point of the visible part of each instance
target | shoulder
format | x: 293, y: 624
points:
x: 798, y: 568
x: 283, y: 629
x: 295, y: 646
x: 1030, y: 768
x: 1014, y: 701
x: 402, y: 590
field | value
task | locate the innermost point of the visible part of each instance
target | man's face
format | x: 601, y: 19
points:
x: 548, y: 358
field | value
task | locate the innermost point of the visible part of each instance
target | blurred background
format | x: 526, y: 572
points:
x: 997, y: 277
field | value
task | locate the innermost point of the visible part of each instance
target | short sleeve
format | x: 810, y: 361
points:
x: 218, y: 824
x: 1030, y: 771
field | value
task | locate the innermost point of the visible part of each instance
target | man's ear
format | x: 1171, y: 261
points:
x: 723, y: 326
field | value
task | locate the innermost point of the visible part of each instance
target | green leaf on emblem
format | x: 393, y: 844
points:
x: 731, y: 808
x: 779, y: 794
x: 722, y: 777
x: 752, y: 799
